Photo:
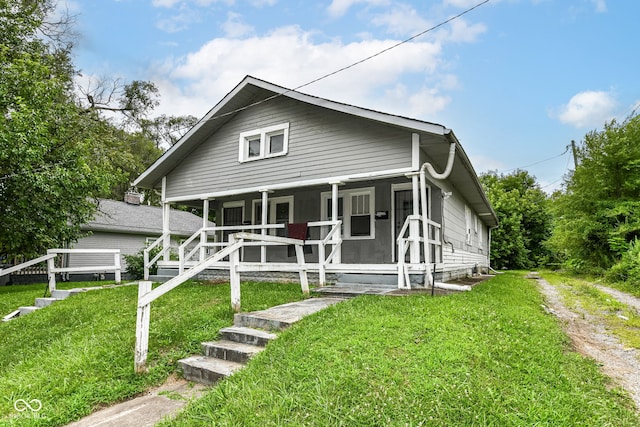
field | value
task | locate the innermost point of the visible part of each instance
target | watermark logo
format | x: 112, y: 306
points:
x: 33, y: 405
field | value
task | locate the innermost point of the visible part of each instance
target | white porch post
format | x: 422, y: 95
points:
x: 334, y: 217
x: 414, y: 226
x: 142, y: 328
x: 166, y: 243
x: 234, y: 263
x: 203, y: 234
x: 265, y: 213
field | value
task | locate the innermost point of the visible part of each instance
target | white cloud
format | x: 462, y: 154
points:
x: 588, y: 109
x: 172, y: 3
x: 207, y: 75
x: 338, y: 8
x: 402, y: 20
x: 601, y: 5
x: 234, y: 27
x: 178, y: 22
x: 460, y: 31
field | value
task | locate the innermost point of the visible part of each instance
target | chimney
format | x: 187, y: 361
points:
x: 132, y: 198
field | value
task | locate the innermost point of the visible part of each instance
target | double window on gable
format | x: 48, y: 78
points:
x: 271, y: 141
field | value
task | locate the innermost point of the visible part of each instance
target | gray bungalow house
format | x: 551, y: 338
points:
x: 369, y: 192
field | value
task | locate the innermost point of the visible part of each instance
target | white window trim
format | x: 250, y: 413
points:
x: 467, y: 222
x: 263, y: 133
x: 346, y: 210
x: 272, y: 201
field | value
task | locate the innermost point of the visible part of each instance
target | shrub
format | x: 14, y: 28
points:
x: 628, y: 268
x: 135, y: 263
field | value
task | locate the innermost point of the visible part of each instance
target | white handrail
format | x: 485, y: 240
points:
x: 26, y: 264
x: 148, y: 263
x: 52, y: 269
x: 236, y: 241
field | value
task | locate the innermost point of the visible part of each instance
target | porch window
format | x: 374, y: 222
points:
x: 271, y: 141
x: 232, y: 214
x: 280, y: 208
x: 355, y: 210
x: 360, y: 215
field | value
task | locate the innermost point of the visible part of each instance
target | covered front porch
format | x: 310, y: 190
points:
x: 360, y: 226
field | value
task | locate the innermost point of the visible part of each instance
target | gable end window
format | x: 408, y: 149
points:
x: 271, y: 141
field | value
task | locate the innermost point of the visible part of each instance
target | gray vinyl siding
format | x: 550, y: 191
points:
x: 128, y: 244
x: 322, y: 143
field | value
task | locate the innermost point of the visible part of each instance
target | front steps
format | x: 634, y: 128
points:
x: 56, y: 295
x: 239, y: 343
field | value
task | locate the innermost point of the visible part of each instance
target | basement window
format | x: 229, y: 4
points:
x: 271, y: 141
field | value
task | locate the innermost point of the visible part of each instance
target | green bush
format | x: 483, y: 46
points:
x: 628, y: 268
x: 135, y: 263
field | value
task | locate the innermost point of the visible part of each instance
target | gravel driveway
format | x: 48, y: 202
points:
x: 589, y: 337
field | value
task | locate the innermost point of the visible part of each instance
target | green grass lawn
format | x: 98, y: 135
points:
x: 488, y: 357
x: 78, y: 354
x: 491, y: 357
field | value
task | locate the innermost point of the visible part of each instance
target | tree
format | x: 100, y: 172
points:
x: 524, y: 220
x: 46, y: 177
x: 597, y: 215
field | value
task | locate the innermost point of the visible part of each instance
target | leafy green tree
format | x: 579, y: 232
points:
x: 524, y: 220
x: 597, y: 215
x: 47, y: 175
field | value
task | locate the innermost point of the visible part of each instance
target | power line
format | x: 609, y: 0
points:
x: 566, y: 150
x: 330, y: 74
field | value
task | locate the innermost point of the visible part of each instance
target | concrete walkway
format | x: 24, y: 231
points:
x: 170, y: 398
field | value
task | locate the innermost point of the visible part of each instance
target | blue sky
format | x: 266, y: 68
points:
x: 516, y: 80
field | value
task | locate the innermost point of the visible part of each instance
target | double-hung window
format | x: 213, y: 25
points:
x: 271, y: 141
x: 355, y: 210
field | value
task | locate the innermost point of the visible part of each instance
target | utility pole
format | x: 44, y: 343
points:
x: 575, y: 157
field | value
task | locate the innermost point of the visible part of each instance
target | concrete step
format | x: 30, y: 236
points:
x: 64, y: 294
x: 45, y: 302
x: 282, y: 316
x: 207, y: 370
x: 245, y: 335
x: 230, y: 350
x: 11, y: 316
x: 27, y: 310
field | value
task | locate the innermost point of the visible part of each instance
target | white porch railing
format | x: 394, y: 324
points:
x: 148, y: 250
x: 194, y: 249
x: 416, y: 241
x: 52, y: 269
x: 236, y: 242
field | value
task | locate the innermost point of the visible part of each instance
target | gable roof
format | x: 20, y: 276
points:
x: 119, y: 217
x: 435, y: 138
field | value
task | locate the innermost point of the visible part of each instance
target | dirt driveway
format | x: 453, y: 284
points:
x: 590, y: 338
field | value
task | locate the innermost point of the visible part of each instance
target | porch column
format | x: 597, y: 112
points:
x: 265, y: 213
x: 334, y: 217
x: 166, y: 243
x: 414, y: 225
x: 203, y: 234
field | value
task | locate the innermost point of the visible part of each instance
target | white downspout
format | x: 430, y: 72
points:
x: 425, y: 215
